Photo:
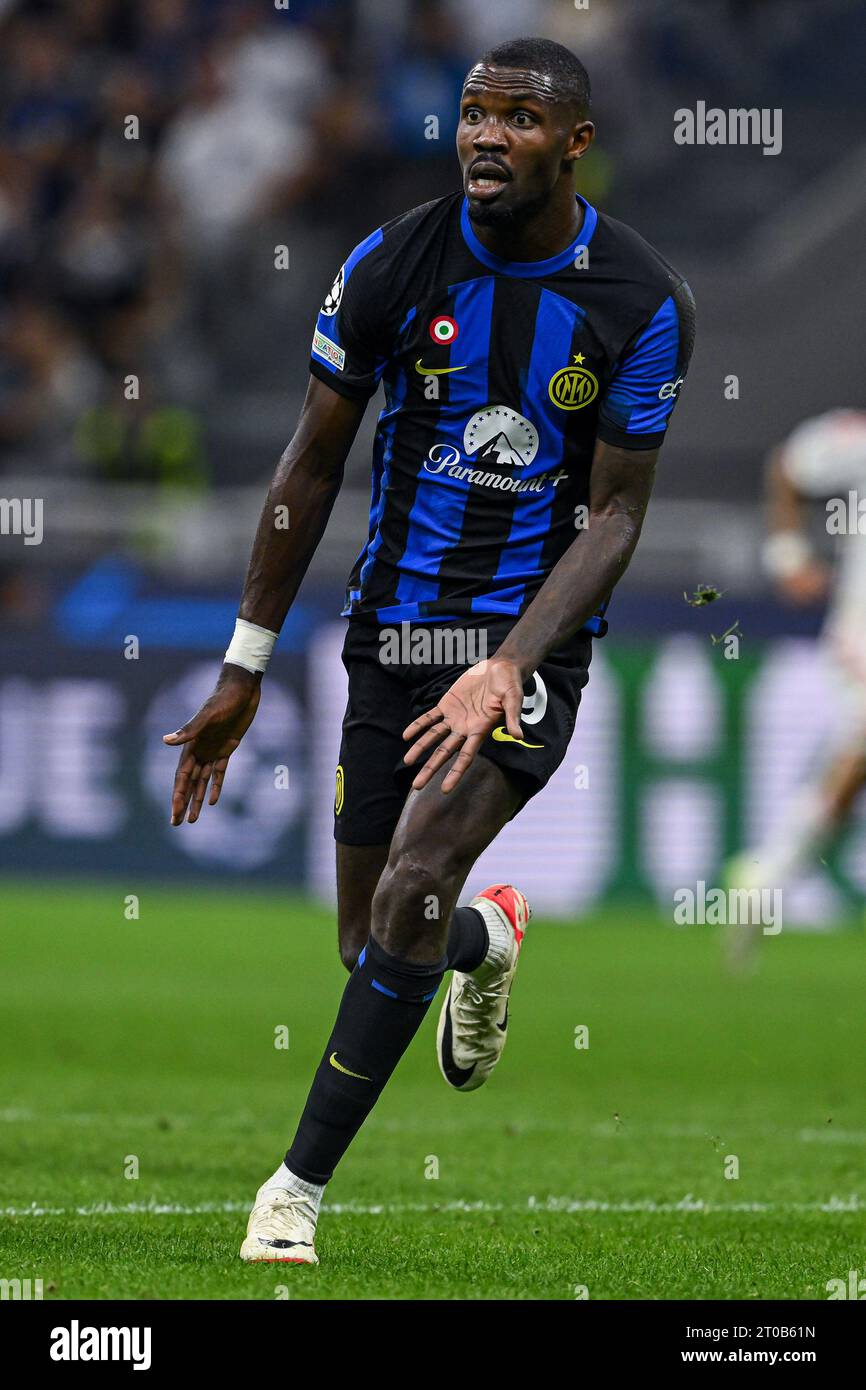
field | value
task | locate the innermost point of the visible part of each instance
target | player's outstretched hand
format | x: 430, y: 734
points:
x: 209, y: 739
x: 488, y: 694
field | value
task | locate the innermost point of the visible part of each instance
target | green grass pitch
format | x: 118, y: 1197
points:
x: 600, y: 1168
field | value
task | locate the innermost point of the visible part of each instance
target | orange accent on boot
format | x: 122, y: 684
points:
x: 504, y: 895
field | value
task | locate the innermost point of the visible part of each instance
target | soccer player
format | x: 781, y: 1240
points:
x: 823, y: 456
x: 532, y: 350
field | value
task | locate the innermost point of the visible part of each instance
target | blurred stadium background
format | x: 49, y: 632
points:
x: 154, y: 257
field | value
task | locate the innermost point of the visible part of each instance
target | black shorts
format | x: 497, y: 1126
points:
x: 387, y: 694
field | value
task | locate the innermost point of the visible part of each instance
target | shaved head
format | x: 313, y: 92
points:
x: 552, y: 71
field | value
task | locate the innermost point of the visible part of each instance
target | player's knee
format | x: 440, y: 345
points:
x: 416, y: 882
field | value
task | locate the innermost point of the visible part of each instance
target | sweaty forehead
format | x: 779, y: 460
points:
x: 509, y: 81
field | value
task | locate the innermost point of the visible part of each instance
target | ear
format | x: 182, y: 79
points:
x: 582, y: 136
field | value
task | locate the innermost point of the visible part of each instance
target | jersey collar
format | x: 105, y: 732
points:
x: 529, y: 269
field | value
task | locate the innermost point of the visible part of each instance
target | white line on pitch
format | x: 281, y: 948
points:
x: 687, y: 1205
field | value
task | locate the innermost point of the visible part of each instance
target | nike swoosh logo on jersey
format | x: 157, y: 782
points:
x: 338, y: 1066
x: 437, y: 371
x: 501, y: 735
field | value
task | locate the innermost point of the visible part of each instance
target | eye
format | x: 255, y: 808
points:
x: 472, y: 115
x: 523, y: 118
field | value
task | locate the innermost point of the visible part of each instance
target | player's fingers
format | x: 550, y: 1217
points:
x: 192, y: 784
x: 187, y: 732
x: 464, y: 759
x: 424, y: 721
x: 512, y: 704
x: 217, y: 779
x: 184, y: 779
x: 199, y: 793
x: 437, y: 759
x: 428, y: 740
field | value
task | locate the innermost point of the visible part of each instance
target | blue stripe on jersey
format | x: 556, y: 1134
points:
x: 361, y: 250
x: 375, y: 499
x: 328, y: 324
x: 436, y: 515
x: 632, y: 401
x: 595, y: 624
x: 556, y: 321
x: 407, y: 320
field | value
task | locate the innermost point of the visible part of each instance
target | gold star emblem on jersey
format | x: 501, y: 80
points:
x: 571, y: 388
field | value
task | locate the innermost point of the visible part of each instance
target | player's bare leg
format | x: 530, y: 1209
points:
x: 816, y: 815
x: 359, y: 868
x: 437, y: 840
x: 844, y: 782
x: 435, y: 844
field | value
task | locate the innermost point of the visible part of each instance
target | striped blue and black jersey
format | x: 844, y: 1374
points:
x: 499, y: 376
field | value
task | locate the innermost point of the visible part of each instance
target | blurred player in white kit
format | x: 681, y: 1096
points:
x: 824, y: 458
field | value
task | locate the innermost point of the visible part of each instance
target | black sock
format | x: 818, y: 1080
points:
x: 381, y: 1010
x: 468, y: 940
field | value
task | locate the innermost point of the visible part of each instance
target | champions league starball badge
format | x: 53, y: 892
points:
x: 335, y: 294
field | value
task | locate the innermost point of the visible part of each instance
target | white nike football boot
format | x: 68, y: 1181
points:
x: 281, y: 1228
x: 474, y: 1017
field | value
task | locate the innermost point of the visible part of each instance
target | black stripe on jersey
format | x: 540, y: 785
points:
x: 575, y: 491
x: 685, y: 306
x: 415, y: 432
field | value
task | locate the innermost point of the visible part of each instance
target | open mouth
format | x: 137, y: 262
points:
x: 486, y: 181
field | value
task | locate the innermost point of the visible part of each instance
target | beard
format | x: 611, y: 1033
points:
x: 491, y: 215
x: 499, y: 214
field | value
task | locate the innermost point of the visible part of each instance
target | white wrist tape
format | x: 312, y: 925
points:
x: 785, y: 553
x: 251, y: 646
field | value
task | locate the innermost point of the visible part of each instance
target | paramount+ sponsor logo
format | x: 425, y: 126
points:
x: 495, y: 438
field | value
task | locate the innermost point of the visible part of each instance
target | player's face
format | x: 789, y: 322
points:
x: 514, y: 141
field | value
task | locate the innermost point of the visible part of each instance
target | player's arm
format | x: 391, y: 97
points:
x: 302, y: 494
x: 787, y: 555
x: 492, y: 691
x: 299, y: 502
x: 620, y: 486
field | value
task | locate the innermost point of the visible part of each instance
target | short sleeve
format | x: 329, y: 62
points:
x: 349, y: 348
x: 827, y: 452
x: 647, y: 379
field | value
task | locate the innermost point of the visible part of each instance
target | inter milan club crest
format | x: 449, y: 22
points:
x: 443, y: 330
x: 573, y: 387
x: 334, y: 295
x: 501, y: 435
